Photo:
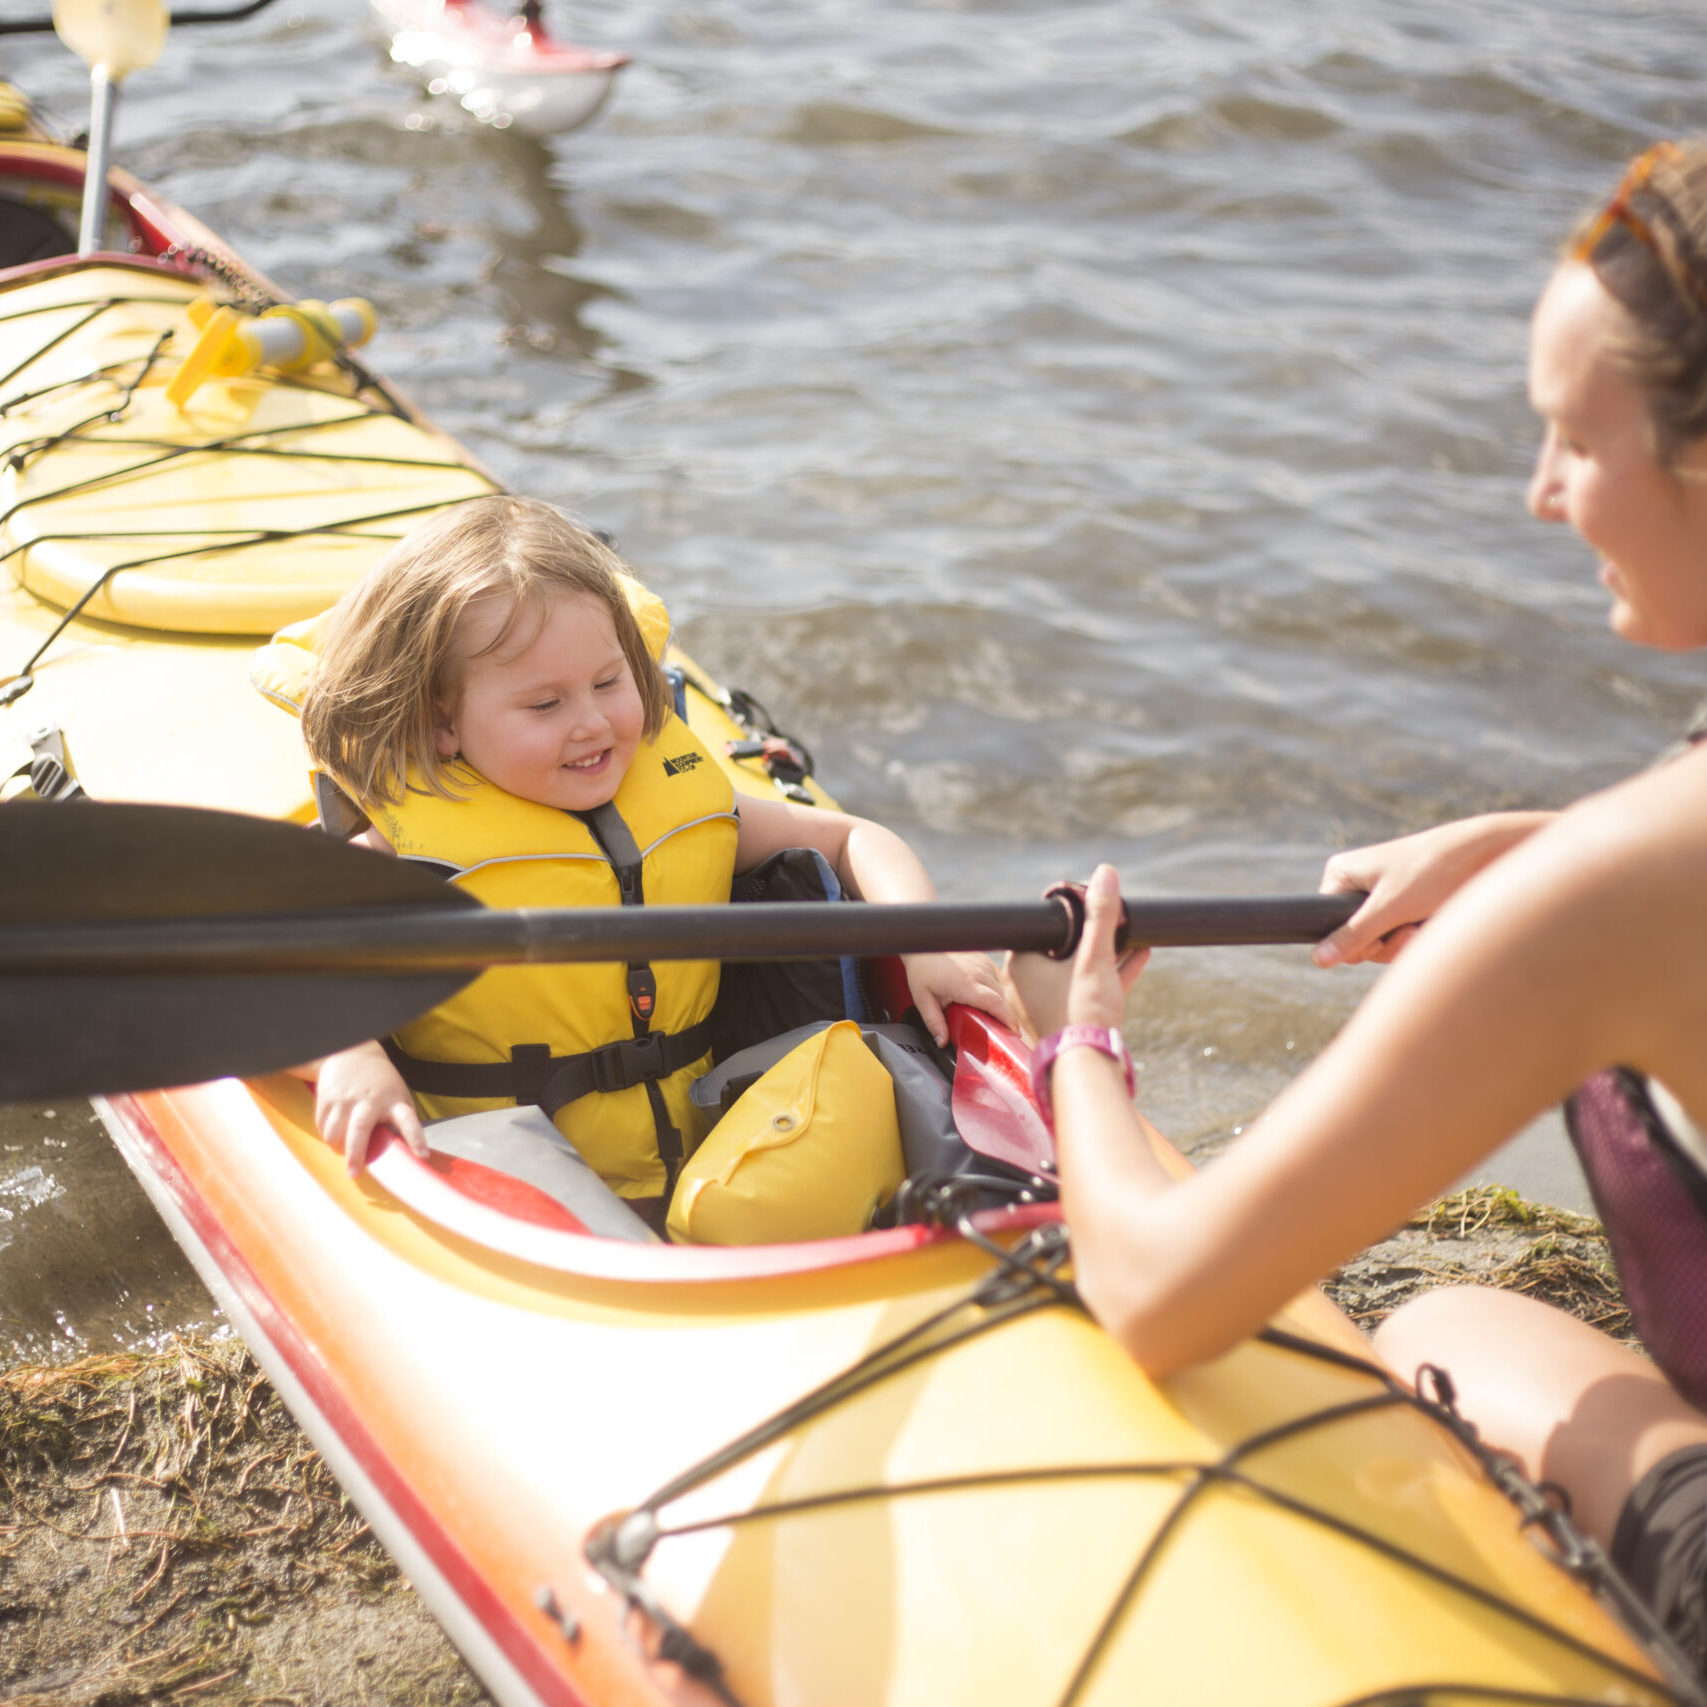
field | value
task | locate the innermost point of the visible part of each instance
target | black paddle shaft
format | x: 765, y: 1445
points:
x: 156, y: 945
x: 447, y: 939
x: 93, y: 889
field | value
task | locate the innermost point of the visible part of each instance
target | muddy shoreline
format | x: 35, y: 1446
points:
x: 167, y: 1534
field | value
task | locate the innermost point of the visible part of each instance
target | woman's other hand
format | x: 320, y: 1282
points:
x: 1410, y: 879
x: 357, y: 1090
x: 1089, y: 989
x: 935, y: 980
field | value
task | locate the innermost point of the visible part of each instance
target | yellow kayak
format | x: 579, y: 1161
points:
x: 897, y: 1469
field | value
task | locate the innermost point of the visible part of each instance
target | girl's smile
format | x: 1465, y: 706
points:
x: 553, y: 715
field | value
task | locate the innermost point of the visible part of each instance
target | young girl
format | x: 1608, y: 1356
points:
x: 488, y: 698
x: 1569, y: 956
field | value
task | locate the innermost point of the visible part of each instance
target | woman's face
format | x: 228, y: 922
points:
x: 1597, y: 469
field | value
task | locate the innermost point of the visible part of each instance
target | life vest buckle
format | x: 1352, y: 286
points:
x: 621, y: 1066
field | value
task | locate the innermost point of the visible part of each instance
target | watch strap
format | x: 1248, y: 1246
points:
x: 1105, y: 1039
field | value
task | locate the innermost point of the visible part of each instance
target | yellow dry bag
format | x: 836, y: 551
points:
x: 807, y: 1152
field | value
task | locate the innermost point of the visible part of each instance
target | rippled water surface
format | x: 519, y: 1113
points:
x: 1098, y: 429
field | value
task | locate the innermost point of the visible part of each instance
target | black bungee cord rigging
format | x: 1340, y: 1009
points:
x: 1028, y: 1277
x: 242, y: 444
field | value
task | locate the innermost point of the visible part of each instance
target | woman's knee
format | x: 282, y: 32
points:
x: 1569, y: 1402
x: 1517, y: 1364
x: 1451, y: 1327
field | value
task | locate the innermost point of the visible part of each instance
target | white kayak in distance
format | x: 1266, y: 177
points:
x: 503, y: 67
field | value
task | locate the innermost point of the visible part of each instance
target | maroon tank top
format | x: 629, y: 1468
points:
x: 1652, y: 1199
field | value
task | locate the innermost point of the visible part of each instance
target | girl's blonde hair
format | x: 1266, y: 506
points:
x: 387, y: 659
x: 1647, y: 245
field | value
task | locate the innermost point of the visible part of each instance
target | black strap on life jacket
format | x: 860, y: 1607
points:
x: 534, y: 1075
x: 617, y: 840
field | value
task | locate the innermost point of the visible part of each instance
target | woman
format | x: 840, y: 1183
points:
x: 1563, y: 948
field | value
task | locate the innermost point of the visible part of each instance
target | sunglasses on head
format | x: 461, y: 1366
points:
x: 1619, y: 211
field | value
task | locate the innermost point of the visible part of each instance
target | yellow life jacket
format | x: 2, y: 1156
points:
x: 608, y: 1051
x: 512, y: 853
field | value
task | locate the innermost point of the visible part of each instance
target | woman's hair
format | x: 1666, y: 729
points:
x: 1648, y: 247
x: 387, y: 658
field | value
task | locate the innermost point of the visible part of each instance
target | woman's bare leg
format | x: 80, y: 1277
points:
x: 1574, y: 1406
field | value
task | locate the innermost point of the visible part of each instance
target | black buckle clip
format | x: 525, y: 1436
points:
x: 622, y: 1066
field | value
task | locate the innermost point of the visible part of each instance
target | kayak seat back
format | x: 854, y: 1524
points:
x: 519, y: 1147
x: 759, y: 1001
x: 29, y: 234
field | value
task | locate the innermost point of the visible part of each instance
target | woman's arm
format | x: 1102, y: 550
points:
x: 873, y: 864
x: 1584, y: 947
x: 1410, y: 879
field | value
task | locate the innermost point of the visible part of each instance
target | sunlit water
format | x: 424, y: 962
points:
x: 1097, y: 429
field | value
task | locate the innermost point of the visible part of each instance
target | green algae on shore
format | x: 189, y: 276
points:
x: 167, y: 1534
x: 1489, y: 1236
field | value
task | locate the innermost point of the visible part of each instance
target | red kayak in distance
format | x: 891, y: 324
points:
x: 503, y: 67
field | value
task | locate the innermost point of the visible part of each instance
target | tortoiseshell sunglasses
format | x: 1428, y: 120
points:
x: 1618, y: 211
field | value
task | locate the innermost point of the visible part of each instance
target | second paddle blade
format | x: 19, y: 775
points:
x: 79, y: 863
x: 121, y: 35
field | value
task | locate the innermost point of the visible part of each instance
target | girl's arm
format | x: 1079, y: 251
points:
x: 1585, y: 947
x: 873, y: 864
x: 1410, y: 879
x: 358, y: 1089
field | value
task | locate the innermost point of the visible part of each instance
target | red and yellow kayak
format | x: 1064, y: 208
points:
x: 899, y: 1468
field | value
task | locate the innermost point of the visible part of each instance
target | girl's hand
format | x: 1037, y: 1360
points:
x: 357, y: 1090
x: 1409, y: 880
x: 1089, y: 989
x: 938, y: 979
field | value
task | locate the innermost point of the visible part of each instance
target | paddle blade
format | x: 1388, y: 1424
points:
x: 121, y: 36
x: 89, y: 1036
x: 993, y: 1110
x: 83, y: 863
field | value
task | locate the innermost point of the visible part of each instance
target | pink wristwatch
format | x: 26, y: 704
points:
x: 1103, y: 1038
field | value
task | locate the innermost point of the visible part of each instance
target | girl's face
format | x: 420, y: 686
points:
x: 554, y: 714
x: 1597, y: 469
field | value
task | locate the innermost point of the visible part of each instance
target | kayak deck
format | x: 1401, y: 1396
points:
x: 1008, y: 1512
